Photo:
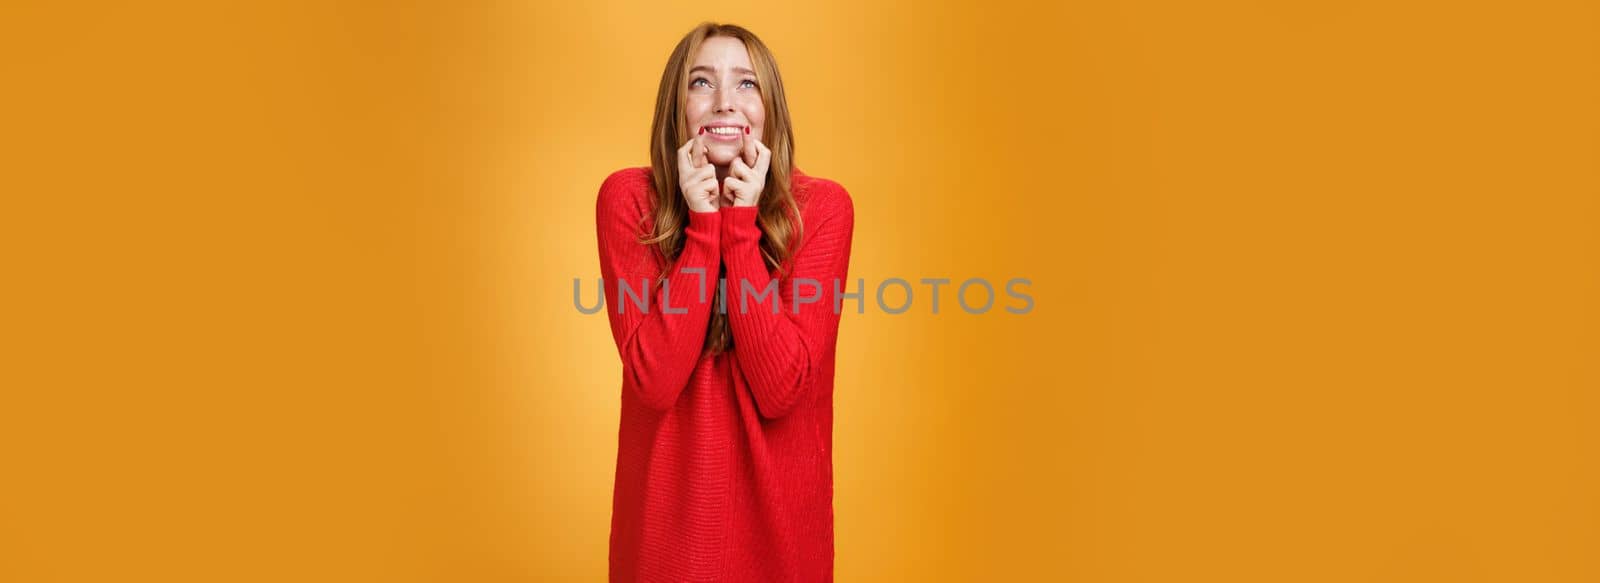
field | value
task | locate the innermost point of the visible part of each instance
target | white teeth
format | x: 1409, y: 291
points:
x: 727, y: 131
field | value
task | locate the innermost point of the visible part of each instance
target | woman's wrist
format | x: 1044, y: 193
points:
x: 707, y: 219
x: 739, y: 226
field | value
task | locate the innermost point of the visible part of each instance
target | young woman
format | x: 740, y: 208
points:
x: 725, y: 447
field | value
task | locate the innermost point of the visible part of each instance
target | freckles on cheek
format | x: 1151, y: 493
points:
x: 695, y: 110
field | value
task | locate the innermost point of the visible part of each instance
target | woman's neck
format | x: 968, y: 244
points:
x: 722, y: 173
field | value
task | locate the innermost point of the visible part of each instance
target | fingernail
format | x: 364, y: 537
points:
x: 747, y: 130
x: 702, y: 130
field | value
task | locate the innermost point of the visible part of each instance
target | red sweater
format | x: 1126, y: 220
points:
x: 724, y: 464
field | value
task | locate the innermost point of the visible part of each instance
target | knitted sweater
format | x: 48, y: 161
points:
x: 724, y: 464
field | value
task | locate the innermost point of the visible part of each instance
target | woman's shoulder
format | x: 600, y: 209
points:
x: 628, y: 190
x: 820, y: 195
x: 631, y: 181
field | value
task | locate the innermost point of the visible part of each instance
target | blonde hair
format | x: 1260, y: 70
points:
x: 778, y: 213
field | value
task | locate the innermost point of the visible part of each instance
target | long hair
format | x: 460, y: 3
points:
x: 778, y: 215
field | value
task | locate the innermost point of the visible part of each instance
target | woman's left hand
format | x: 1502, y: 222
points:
x: 747, y: 175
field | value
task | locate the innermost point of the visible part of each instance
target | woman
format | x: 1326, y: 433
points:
x: 725, y: 448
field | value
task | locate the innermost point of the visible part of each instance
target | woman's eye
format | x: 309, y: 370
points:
x: 748, y: 83
x: 698, y: 81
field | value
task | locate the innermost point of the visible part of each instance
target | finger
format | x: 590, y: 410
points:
x: 708, y: 185
x: 764, y: 161
x: 739, y: 169
x: 699, y: 151
x: 704, y: 172
x: 731, y: 187
x: 712, y: 196
x: 749, y: 152
x: 683, y: 154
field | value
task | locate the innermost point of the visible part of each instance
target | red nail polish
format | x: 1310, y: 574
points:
x: 747, y: 130
x: 702, y: 130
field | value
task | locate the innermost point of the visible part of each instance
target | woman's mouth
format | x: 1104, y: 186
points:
x: 725, y: 132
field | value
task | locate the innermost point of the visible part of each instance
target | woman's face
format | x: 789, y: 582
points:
x: 724, y: 105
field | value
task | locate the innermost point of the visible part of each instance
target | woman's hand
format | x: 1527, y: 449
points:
x: 697, y: 178
x: 747, y: 175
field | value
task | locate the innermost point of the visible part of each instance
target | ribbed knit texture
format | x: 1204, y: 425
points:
x: 724, y: 464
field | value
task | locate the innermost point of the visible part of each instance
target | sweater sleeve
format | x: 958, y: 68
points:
x: 780, y: 342
x: 661, y: 342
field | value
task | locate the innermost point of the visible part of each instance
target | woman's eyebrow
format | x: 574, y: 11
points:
x: 713, y: 70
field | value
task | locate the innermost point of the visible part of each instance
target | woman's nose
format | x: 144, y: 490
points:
x: 724, y: 101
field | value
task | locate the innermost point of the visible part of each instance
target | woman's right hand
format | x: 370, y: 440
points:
x: 697, y: 178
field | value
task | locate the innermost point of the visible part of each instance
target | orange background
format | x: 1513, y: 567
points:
x: 289, y: 287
